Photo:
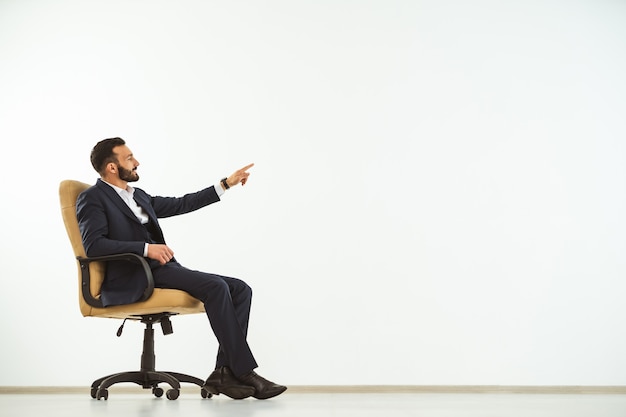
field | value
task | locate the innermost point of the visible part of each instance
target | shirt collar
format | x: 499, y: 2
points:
x: 129, y: 190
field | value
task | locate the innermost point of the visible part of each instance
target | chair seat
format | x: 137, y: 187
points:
x: 162, y: 300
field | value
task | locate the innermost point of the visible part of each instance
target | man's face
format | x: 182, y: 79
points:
x: 126, y: 164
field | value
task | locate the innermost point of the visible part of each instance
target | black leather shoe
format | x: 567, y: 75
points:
x: 264, y: 389
x: 222, y: 381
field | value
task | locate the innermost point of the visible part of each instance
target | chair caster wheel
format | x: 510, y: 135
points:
x: 102, y: 393
x: 94, y: 392
x: 172, y: 394
x: 205, y: 393
x: 157, y: 391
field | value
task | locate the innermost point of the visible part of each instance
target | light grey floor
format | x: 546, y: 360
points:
x: 318, y: 405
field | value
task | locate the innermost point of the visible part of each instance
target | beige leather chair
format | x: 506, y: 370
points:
x: 156, y: 306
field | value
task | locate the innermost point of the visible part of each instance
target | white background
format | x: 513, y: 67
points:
x: 438, y: 195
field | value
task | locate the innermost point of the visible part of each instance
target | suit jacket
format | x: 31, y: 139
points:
x: 108, y: 226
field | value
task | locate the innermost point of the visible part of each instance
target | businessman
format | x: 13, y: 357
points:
x: 117, y: 218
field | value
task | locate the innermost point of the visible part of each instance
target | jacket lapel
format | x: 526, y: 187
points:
x: 116, y: 199
x: 144, y: 202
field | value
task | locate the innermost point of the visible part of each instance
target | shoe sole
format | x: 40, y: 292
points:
x: 236, y: 392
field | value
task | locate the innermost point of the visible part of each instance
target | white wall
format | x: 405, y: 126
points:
x: 438, y: 195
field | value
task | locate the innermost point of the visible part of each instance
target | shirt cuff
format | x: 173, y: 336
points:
x: 145, y: 250
x: 219, y: 190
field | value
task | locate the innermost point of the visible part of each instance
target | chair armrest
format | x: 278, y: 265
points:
x: 86, y: 278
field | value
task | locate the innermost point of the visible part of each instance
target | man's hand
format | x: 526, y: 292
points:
x: 161, y: 253
x: 239, y: 176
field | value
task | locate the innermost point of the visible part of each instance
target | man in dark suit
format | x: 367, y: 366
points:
x: 117, y: 218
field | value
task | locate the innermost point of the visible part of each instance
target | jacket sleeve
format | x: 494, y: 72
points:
x: 93, y: 221
x: 172, y: 206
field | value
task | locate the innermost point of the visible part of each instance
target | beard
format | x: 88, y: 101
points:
x: 127, y: 174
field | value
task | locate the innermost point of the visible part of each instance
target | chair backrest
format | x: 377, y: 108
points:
x: 68, y: 193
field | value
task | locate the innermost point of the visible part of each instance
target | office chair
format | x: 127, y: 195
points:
x: 156, y: 306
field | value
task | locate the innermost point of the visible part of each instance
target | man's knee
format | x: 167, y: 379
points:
x: 244, y: 289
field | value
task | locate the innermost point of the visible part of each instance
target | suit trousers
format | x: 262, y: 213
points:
x: 227, y: 303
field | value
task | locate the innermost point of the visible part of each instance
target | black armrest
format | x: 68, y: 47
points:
x: 86, y: 278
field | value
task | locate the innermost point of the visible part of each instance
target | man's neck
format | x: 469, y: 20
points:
x: 116, y: 181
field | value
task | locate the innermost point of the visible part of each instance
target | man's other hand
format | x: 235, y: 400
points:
x: 161, y: 253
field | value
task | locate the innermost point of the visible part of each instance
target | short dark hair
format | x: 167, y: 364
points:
x: 102, y: 153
